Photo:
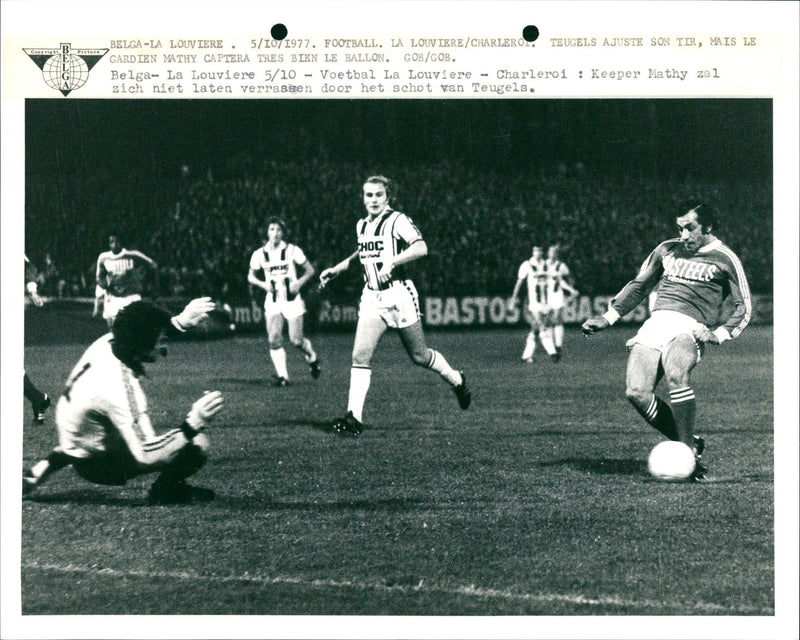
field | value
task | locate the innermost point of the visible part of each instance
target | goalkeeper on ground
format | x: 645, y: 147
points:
x: 104, y: 429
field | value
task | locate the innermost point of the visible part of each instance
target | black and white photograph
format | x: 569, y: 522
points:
x: 404, y: 361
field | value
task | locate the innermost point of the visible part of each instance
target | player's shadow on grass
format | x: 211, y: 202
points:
x: 606, y: 466
x: 83, y: 496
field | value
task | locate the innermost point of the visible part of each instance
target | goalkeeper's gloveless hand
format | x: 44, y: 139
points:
x: 204, y: 410
x: 194, y: 313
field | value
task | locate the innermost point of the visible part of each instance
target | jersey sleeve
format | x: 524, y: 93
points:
x: 405, y: 229
x: 523, y: 270
x: 255, y: 260
x: 742, y: 302
x: 298, y: 256
x: 127, y: 411
x: 632, y: 294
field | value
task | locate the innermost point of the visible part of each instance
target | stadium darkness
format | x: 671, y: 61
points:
x: 705, y: 139
x: 585, y: 173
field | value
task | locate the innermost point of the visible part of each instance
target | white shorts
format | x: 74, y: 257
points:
x: 539, y: 308
x: 289, y: 309
x: 397, y: 306
x: 113, y: 304
x: 661, y: 328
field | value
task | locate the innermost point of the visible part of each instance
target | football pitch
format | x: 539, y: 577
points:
x: 535, y: 501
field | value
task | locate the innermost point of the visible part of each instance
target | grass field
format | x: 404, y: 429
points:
x: 536, y: 501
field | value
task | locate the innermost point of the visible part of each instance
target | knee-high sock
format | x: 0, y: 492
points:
x: 530, y: 346
x: 558, y: 335
x: 278, y: 357
x: 359, y: 385
x: 684, y: 408
x: 659, y: 416
x: 308, y: 350
x: 439, y: 364
x: 546, y: 336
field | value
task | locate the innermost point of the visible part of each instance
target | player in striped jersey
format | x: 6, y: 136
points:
x: 104, y: 428
x: 559, y: 290
x: 121, y: 274
x: 695, y: 273
x: 387, y: 240
x: 533, y: 272
x: 278, y: 261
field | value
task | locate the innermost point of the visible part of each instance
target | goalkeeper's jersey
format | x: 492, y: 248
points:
x: 693, y: 283
x: 103, y: 409
x: 380, y: 239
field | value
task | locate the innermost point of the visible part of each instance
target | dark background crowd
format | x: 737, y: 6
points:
x: 193, y: 183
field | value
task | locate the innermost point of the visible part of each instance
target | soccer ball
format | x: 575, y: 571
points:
x: 670, y: 460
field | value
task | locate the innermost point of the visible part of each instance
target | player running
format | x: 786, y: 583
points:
x: 387, y: 239
x: 534, y: 273
x: 279, y: 261
x: 104, y: 429
x: 694, y: 273
x: 559, y: 291
x: 121, y: 273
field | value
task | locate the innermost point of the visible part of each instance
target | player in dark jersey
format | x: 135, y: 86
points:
x: 121, y: 274
x: 40, y: 401
x: 387, y: 239
x: 695, y: 273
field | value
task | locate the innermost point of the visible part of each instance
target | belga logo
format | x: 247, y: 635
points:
x: 65, y: 69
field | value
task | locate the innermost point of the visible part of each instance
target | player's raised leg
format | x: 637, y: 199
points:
x: 413, y: 340
x: 679, y: 359
x: 299, y: 340
x: 641, y: 380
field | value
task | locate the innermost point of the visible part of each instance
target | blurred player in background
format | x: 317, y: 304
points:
x: 104, y: 428
x: 559, y: 291
x: 40, y: 402
x: 387, y: 239
x: 694, y: 273
x: 534, y: 273
x: 121, y: 273
x: 274, y: 268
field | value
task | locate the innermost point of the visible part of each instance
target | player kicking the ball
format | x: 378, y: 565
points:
x: 104, y: 429
x: 694, y: 273
x: 387, y: 239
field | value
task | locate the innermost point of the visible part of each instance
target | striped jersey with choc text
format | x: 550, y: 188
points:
x: 382, y: 238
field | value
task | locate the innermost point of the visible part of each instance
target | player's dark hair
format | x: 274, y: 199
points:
x: 136, y: 330
x: 388, y: 184
x: 706, y: 216
x: 280, y: 222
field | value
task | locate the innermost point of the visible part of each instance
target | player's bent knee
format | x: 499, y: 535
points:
x: 420, y: 358
x: 638, y: 396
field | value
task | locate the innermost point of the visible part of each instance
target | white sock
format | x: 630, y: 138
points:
x: 530, y: 346
x: 278, y: 357
x: 308, y: 350
x: 359, y: 385
x: 546, y: 336
x: 558, y: 335
x: 440, y: 365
